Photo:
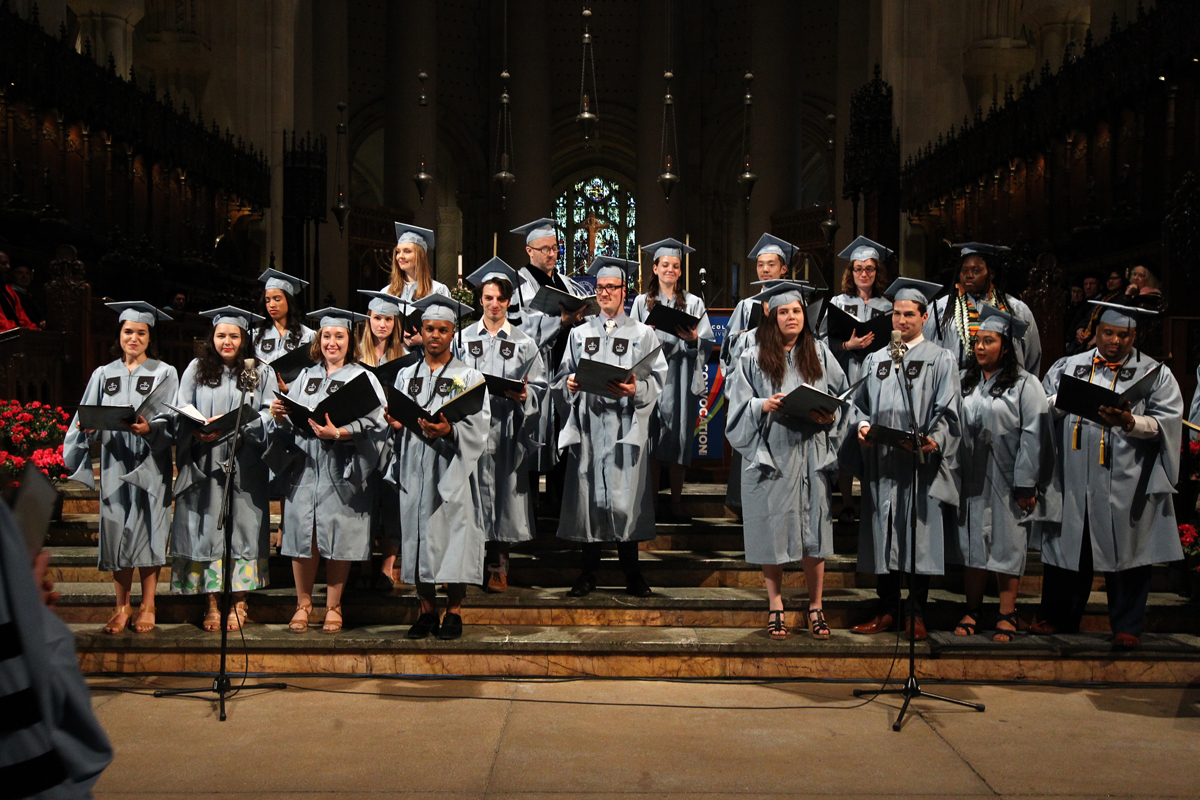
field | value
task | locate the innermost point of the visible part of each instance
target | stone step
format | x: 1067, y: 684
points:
x: 642, y: 652
x: 742, y: 607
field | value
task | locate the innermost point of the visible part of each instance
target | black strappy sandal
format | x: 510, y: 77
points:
x: 971, y: 627
x: 775, y: 627
x: 1007, y: 635
x: 818, y: 627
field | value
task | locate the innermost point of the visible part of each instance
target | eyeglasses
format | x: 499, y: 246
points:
x: 544, y: 250
x: 864, y: 270
x: 608, y: 289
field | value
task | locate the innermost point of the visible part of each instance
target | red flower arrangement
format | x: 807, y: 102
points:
x: 1190, y: 541
x: 34, y: 431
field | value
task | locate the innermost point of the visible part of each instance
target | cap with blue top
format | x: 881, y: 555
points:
x: 864, y: 249
x: 783, y: 293
x: 993, y: 319
x: 274, y: 279
x: 980, y: 249
x: 768, y: 244
x: 668, y: 247
x: 232, y: 315
x: 438, y: 306
x: 421, y: 237
x: 1121, y: 315
x: 336, y: 318
x: 138, y: 311
x: 384, y: 304
x: 912, y: 289
x: 612, y: 267
x: 494, y: 268
x: 538, y: 229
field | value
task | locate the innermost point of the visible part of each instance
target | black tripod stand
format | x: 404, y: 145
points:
x: 221, y: 685
x: 912, y: 688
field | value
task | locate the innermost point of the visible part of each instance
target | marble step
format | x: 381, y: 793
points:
x: 636, y: 652
x: 608, y: 606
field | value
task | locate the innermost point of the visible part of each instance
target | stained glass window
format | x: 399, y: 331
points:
x: 595, y: 217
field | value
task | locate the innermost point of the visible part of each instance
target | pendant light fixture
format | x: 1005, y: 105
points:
x: 668, y: 157
x: 747, y: 178
x: 588, y: 107
x: 341, y: 209
x: 422, y: 179
x: 504, y: 175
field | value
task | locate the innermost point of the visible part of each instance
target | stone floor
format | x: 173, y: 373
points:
x: 608, y: 739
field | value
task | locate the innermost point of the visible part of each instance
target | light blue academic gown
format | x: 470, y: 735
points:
x: 512, y: 442
x: 1029, y: 347
x: 269, y: 347
x: 59, y: 749
x: 787, y: 463
x: 738, y: 336
x: 135, y: 472
x: 852, y: 360
x: 329, y: 487
x: 674, y: 423
x: 1127, y: 501
x: 1194, y: 410
x: 409, y: 291
x: 1007, y: 443
x: 544, y: 329
x: 606, y: 496
x: 886, y: 472
x: 441, y: 506
x: 200, y: 481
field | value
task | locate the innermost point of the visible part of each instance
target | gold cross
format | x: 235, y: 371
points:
x: 593, y: 225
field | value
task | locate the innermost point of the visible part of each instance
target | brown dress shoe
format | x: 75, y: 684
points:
x: 880, y: 624
x: 914, y: 627
x: 1125, y: 641
x: 1042, y: 628
x: 497, y: 583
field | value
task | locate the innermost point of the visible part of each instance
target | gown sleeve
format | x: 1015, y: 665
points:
x: 76, y: 443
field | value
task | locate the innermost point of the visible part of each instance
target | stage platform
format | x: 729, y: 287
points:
x: 706, y: 619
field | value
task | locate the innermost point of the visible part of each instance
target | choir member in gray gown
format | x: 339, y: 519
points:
x: 772, y: 256
x: 330, y: 491
x: 787, y: 461
x: 1116, y: 482
x: 886, y: 471
x: 51, y: 745
x: 436, y: 470
x: 1007, y: 452
x: 412, y: 271
x: 494, y: 346
x: 381, y: 342
x: 283, y: 329
x: 687, y: 350
x: 212, y: 385
x: 606, y: 496
x: 954, y: 319
x: 863, y: 284
x: 551, y: 332
x: 135, y: 466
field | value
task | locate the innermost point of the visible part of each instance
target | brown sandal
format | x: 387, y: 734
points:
x: 237, y: 616
x: 333, y: 626
x: 139, y: 624
x: 212, y: 620
x: 299, y: 623
x: 112, y: 627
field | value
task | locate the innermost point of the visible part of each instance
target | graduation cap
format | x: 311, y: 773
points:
x: 863, y: 248
x: 773, y: 282
x: 138, y: 311
x: 384, y: 304
x: 274, y: 279
x: 667, y: 247
x: 784, y: 292
x: 232, y: 315
x: 492, y: 269
x: 767, y: 244
x: 1121, y: 315
x: 538, y: 229
x: 336, y: 318
x: 422, y: 237
x: 439, y: 306
x: 993, y: 319
x: 612, y: 267
x: 918, y: 291
x: 979, y: 248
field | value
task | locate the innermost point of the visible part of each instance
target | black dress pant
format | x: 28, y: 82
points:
x: 888, y: 589
x: 1065, y: 593
x: 627, y: 554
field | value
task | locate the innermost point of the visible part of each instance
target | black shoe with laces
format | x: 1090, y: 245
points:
x: 426, y: 624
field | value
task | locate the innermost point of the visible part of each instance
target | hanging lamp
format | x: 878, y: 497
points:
x: 587, y: 117
x: 422, y: 179
x: 668, y: 156
x: 504, y: 175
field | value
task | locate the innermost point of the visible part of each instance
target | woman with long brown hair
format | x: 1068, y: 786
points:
x: 787, y: 461
x: 382, y: 336
x: 412, y: 275
x: 686, y: 351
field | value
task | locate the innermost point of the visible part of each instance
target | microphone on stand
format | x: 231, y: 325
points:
x: 896, y: 348
x: 249, y: 374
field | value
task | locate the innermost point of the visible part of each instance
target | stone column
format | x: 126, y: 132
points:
x: 109, y: 24
x: 532, y: 196
x: 998, y: 55
x: 330, y: 85
x: 410, y: 131
x: 1055, y: 23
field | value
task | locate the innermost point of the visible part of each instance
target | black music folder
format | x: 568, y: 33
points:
x: 803, y: 399
x: 548, y: 299
x: 222, y: 424
x: 593, y: 376
x: 289, y: 365
x: 841, y: 326
x: 882, y: 434
x: 119, y: 418
x: 1084, y: 399
x: 407, y: 411
x: 354, y: 399
x: 386, y: 373
x: 667, y: 319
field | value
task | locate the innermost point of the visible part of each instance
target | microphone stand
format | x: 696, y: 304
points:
x: 221, y: 685
x: 912, y: 688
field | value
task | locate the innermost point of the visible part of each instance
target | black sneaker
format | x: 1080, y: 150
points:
x: 426, y: 624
